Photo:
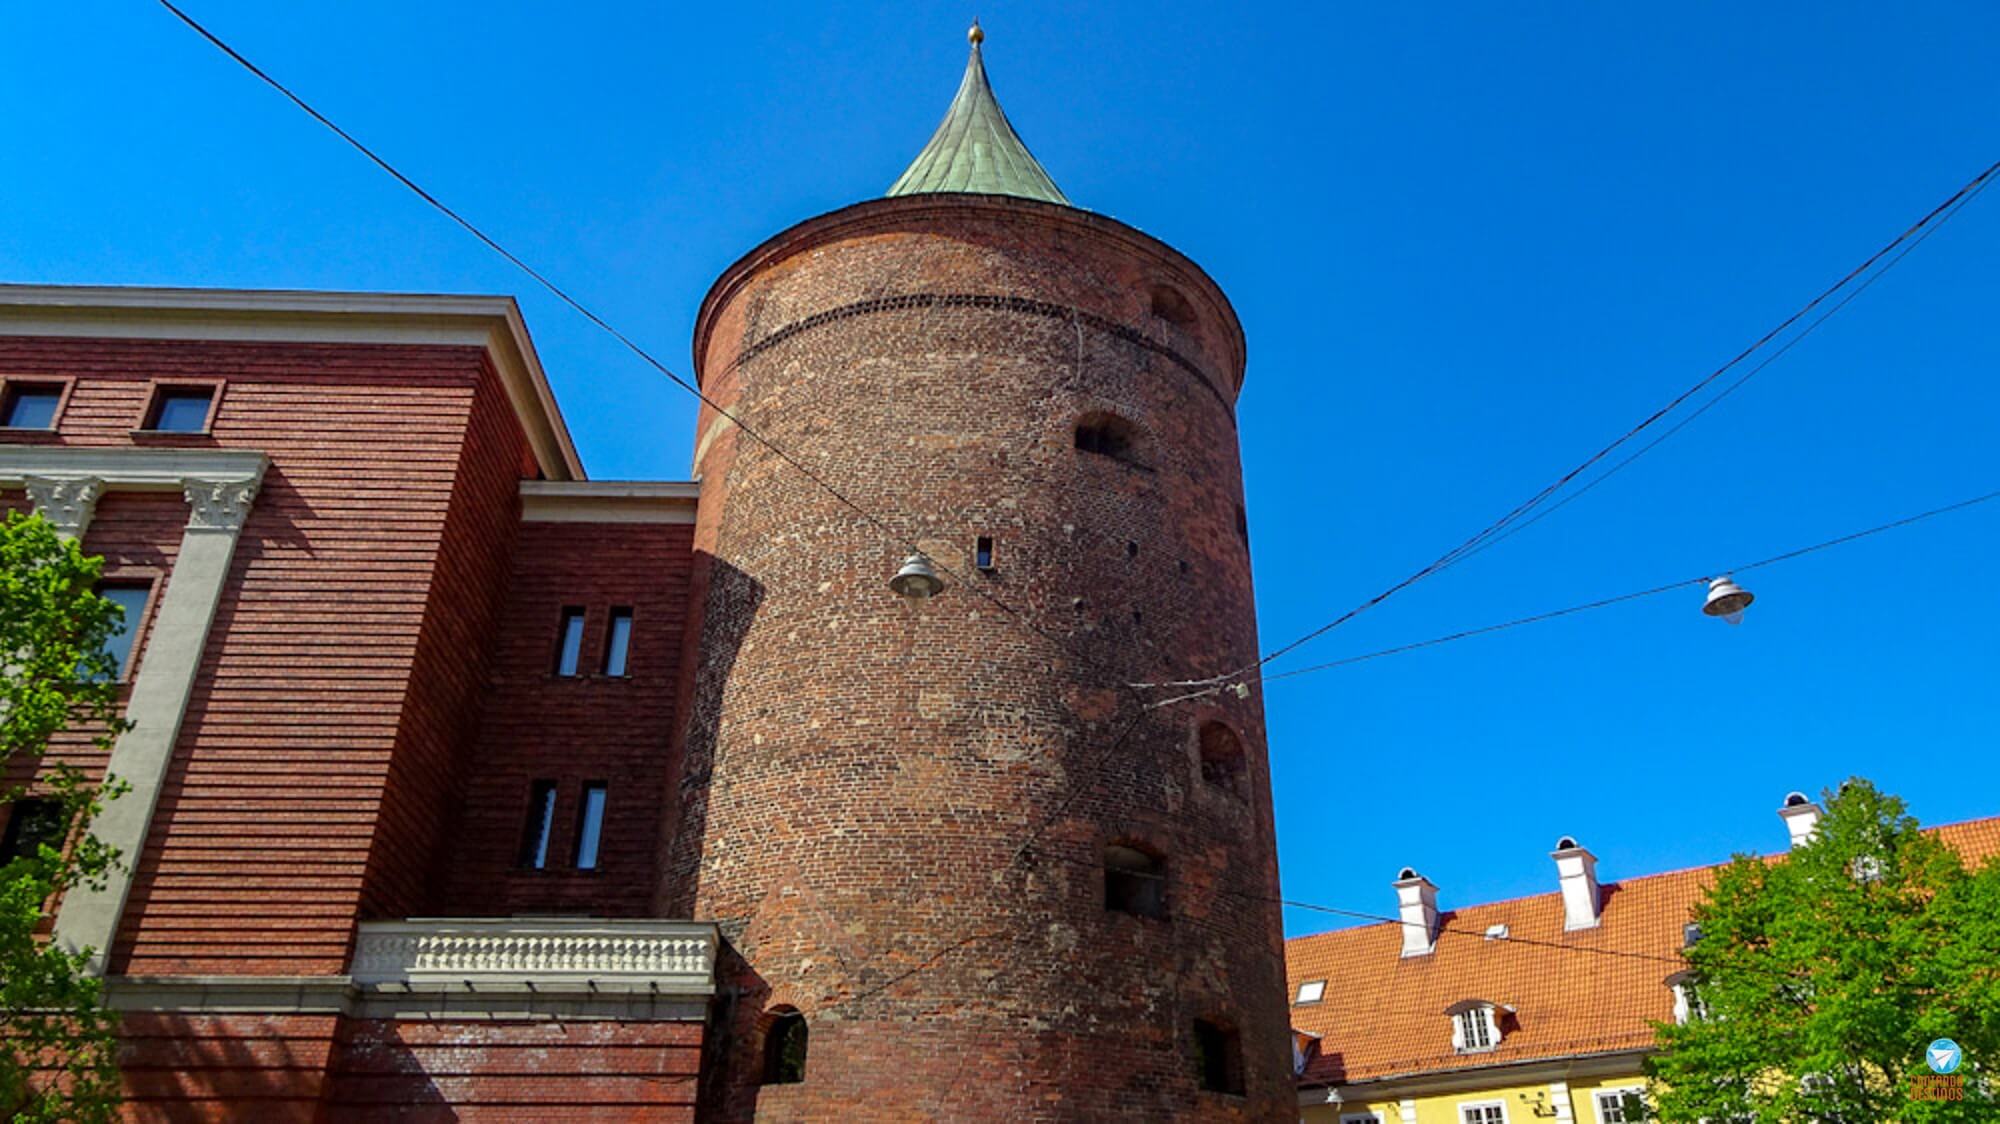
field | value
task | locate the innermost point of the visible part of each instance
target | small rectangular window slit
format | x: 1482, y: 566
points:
x: 590, y: 825
x: 982, y: 552
x: 618, y: 641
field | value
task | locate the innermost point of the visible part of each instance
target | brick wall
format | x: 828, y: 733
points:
x: 861, y: 771
x: 536, y: 725
x: 516, y: 1071
x: 277, y: 788
x: 267, y: 1068
x: 435, y: 745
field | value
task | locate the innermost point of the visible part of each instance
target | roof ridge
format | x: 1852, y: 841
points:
x: 1637, y: 878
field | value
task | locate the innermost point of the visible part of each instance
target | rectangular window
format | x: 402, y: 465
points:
x: 589, y: 825
x: 1475, y: 1029
x: 131, y: 598
x: 618, y: 641
x: 180, y: 409
x: 30, y: 405
x: 569, y: 642
x: 541, y: 819
x: 1311, y: 991
x: 1360, y: 1118
x: 982, y: 552
x: 1621, y: 1106
x: 32, y: 822
x: 1493, y: 1112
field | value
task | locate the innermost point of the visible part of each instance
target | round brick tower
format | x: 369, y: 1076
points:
x: 942, y: 836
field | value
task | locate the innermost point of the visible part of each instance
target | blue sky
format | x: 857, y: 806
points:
x: 1469, y: 245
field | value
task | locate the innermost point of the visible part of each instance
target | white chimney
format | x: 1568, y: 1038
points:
x: 1576, y: 873
x: 1801, y: 818
x: 1417, y: 902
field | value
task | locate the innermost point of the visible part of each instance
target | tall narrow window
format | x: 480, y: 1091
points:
x: 30, y: 405
x: 618, y: 641
x: 1473, y: 1029
x: 589, y: 825
x: 1134, y: 882
x: 785, y: 1048
x: 1218, y: 1057
x: 31, y: 822
x: 180, y: 409
x: 541, y: 819
x: 130, y: 597
x: 569, y: 642
x: 982, y: 552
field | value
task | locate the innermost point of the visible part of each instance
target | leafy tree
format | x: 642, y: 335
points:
x: 1820, y: 978
x: 57, y: 1044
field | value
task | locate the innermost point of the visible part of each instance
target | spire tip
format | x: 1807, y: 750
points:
x: 975, y: 35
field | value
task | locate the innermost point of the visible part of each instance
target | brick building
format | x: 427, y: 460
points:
x: 467, y: 788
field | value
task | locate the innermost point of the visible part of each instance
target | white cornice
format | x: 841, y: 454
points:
x: 1469, y: 1079
x: 494, y: 323
x: 131, y: 469
x: 609, y: 501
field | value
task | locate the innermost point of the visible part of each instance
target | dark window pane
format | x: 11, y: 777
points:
x: 1216, y: 1057
x: 33, y: 822
x: 618, y: 642
x: 30, y: 406
x: 785, y: 1050
x: 589, y: 825
x: 181, y: 409
x: 569, y: 645
x: 1134, y: 882
x: 131, y: 599
x: 541, y: 817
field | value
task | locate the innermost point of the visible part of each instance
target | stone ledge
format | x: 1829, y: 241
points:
x: 538, y: 956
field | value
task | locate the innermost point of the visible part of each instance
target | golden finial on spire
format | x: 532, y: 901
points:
x: 974, y: 35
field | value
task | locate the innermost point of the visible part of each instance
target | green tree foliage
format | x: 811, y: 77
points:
x: 1820, y: 979
x: 57, y: 1044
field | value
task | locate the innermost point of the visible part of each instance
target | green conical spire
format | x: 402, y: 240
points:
x: 975, y: 149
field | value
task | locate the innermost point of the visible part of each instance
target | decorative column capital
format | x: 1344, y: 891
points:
x: 68, y: 502
x: 218, y: 505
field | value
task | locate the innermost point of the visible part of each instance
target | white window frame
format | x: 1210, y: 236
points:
x: 1464, y: 1106
x: 1462, y: 1022
x: 1299, y: 997
x: 1597, y: 1097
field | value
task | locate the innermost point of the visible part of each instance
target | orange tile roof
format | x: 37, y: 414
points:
x: 1383, y: 1014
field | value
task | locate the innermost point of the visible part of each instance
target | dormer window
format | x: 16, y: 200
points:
x: 1688, y: 1006
x: 1475, y: 1026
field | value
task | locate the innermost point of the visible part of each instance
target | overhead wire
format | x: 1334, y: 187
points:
x: 1600, y: 603
x: 1931, y: 219
x: 1733, y: 387
x: 626, y: 341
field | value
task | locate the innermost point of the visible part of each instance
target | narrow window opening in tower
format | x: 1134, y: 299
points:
x: 1171, y: 306
x: 982, y: 552
x: 785, y: 1048
x: 1218, y: 1057
x: 1108, y: 435
x: 1134, y: 881
x: 1131, y: 549
x: 1222, y: 759
x: 1242, y: 524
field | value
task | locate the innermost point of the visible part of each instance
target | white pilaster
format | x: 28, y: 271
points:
x: 220, y: 486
